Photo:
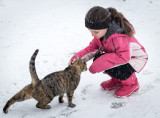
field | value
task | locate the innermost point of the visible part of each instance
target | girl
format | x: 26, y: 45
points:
x: 115, y: 50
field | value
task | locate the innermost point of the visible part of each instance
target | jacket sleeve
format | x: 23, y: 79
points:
x: 110, y: 60
x: 88, y: 52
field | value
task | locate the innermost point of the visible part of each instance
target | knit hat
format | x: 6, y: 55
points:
x: 99, y: 24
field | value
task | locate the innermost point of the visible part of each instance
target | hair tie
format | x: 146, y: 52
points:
x: 107, y: 9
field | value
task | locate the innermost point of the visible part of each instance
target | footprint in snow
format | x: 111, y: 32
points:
x: 146, y: 88
x: 147, y: 72
x: 85, y: 91
x: 157, y: 80
x: 116, y: 105
x: 65, y: 113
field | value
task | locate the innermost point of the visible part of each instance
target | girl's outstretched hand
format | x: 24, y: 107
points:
x: 71, y: 62
x: 73, y: 59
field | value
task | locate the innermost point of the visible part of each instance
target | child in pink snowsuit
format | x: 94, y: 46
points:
x: 115, y: 50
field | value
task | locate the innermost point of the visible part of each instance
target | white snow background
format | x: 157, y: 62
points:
x: 56, y: 28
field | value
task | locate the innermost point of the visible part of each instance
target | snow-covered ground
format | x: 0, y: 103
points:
x: 56, y: 28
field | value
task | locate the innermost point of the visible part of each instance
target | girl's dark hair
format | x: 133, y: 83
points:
x: 100, y: 14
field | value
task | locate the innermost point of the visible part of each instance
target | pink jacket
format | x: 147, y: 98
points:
x: 119, y: 49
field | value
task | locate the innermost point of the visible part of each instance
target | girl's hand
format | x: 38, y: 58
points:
x: 71, y: 62
x: 92, y: 70
x: 73, y: 59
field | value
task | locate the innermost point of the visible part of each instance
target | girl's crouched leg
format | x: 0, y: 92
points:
x: 110, y: 84
x: 125, y: 74
x: 129, y: 86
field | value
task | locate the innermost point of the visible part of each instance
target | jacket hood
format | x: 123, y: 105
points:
x: 113, y: 28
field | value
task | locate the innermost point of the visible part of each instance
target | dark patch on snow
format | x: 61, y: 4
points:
x: 116, y: 105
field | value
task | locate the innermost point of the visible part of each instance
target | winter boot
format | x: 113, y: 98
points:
x: 110, y: 84
x: 129, y: 86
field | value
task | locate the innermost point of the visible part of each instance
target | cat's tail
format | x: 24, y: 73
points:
x: 32, y: 68
x: 25, y: 94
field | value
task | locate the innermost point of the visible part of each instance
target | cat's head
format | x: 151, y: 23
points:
x: 81, y: 63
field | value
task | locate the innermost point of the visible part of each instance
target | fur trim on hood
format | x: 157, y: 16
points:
x: 113, y: 28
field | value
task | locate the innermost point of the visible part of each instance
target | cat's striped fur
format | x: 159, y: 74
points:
x: 54, y: 84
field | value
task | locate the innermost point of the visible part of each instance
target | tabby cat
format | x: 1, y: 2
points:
x: 54, y: 84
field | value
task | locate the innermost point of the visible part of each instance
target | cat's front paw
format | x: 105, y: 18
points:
x: 47, y: 107
x: 72, y: 105
x: 43, y: 106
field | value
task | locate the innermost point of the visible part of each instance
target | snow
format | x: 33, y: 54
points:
x: 56, y: 28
